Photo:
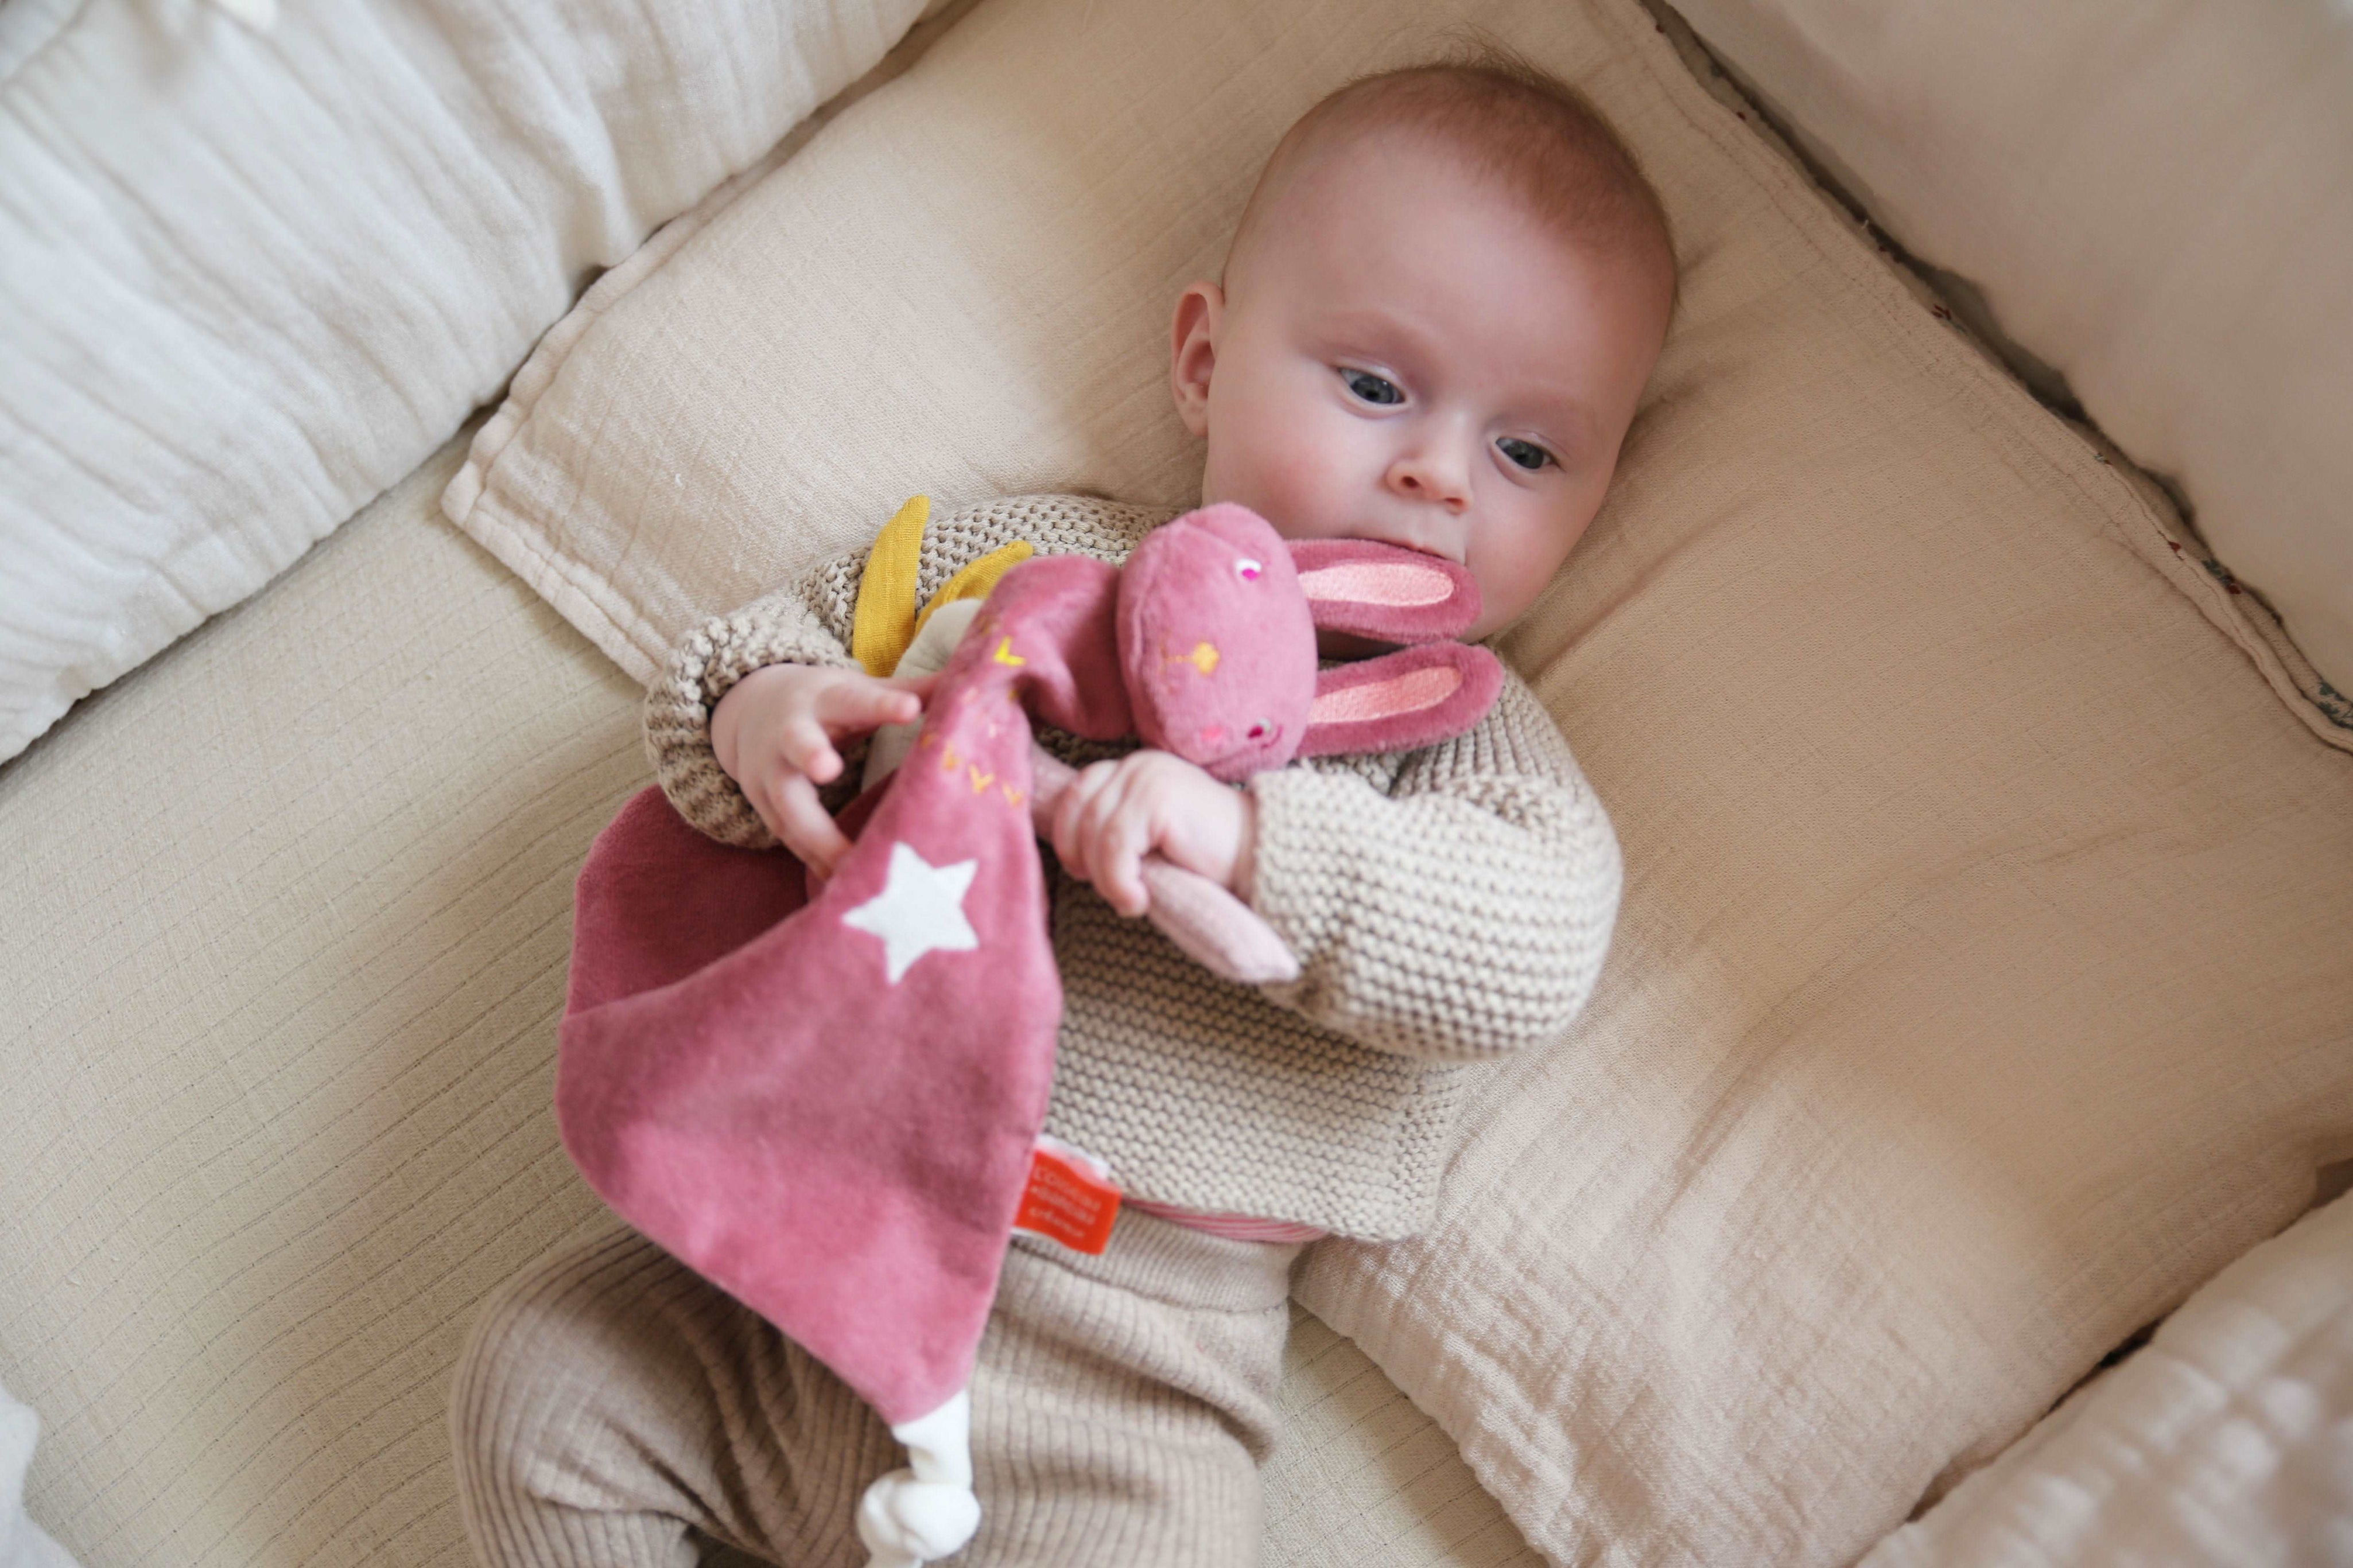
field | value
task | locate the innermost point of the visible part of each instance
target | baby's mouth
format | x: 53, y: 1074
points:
x: 1406, y: 542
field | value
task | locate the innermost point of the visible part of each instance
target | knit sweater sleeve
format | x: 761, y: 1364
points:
x: 806, y: 623
x: 1462, y: 914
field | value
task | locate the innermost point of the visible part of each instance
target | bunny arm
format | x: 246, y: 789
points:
x: 1213, y: 928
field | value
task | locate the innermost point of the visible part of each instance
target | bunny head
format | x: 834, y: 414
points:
x: 1216, y: 642
x: 1217, y: 624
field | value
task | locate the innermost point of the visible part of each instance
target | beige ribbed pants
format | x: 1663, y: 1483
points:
x: 614, y: 1408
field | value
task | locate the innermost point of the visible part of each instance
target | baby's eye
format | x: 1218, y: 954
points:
x: 1526, y: 454
x: 1375, y: 389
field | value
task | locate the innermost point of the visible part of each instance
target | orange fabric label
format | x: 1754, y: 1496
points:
x: 1070, y: 1199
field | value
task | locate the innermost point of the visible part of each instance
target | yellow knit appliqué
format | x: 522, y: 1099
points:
x: 976, y: 579
x: 886, y: 621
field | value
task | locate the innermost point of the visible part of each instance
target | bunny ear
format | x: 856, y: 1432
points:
x: 1383, y: 591
x: 1415, y: 697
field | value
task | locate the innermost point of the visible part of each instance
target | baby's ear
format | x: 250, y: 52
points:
x: 1412, y: 697
x: 1383, y: 591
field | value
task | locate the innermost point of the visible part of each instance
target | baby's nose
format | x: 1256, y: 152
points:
x: 1429, y: 476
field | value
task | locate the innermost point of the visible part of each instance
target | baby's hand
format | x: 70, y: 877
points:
x: 774, y: 732
x: 1113, y: 814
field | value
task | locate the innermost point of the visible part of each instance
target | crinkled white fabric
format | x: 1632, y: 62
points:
x: 2228, y: 1439
x: 23, y: 1544
x: 2158, y: 201
x: 247, y: 281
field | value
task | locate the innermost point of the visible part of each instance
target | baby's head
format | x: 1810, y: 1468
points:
x: 1439, y: 311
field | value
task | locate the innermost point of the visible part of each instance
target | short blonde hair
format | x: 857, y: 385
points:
x: 1526, y: 130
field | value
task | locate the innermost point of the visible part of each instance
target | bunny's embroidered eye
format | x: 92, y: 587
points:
x: 1248, y: 570
x: 1257, y: 732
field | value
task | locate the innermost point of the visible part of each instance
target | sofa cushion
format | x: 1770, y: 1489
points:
x: 248, y: 280
x: 1981, y: 985
x: 2157, y: 201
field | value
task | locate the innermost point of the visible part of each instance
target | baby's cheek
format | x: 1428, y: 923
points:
x: 1304, y: 492
x: 1515, y: 555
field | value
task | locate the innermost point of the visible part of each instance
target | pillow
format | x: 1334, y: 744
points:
x: 2157, y: 201
x: 1981, y: 985
x: 2223, y: 1440
x: 248, y: 280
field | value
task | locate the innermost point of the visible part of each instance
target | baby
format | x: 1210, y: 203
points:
x: 1436, y: 317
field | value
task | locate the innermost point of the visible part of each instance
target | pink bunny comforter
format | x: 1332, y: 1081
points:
x: 829, y: 1108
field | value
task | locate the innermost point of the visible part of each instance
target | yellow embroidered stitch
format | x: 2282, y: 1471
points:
x: 1005, y: 654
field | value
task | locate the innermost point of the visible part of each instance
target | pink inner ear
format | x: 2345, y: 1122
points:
x: 1396, y: 584
x: 1406, y: 693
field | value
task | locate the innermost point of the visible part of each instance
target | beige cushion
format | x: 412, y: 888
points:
x: 2157, y: 201
x: 283, y: 920
x: 1981, y: 984
x: 284, y: 923
x: 1363, y: 1479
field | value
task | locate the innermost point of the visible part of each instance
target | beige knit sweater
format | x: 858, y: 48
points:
x: 1447, y: 906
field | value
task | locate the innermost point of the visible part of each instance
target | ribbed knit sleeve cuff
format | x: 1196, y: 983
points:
x: 779, y: 629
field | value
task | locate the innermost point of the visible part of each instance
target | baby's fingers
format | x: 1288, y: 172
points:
x: 854, y: 706
x: 1122, y: 837
x: 1107, y: 831
x: 809, y: 750
x: 804, y: 827
x: 1070, y: 817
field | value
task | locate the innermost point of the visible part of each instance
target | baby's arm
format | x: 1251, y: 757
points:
x: 745, y: 723
x: 1115, y: 813
x: 774, y: 734
x: 809, y: 623
x: 1461, y: 915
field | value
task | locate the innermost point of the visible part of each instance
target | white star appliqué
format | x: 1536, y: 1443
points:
x: 920, y: 910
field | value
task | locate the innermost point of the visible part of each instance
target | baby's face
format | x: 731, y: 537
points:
x: 1404, y: 353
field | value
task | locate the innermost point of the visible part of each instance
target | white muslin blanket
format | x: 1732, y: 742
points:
x: 23, y: 1544
x: 2228, y: 1439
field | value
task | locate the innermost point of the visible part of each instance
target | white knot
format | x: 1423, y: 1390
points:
x: 905, y: 1522
x: 928, y: 1511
